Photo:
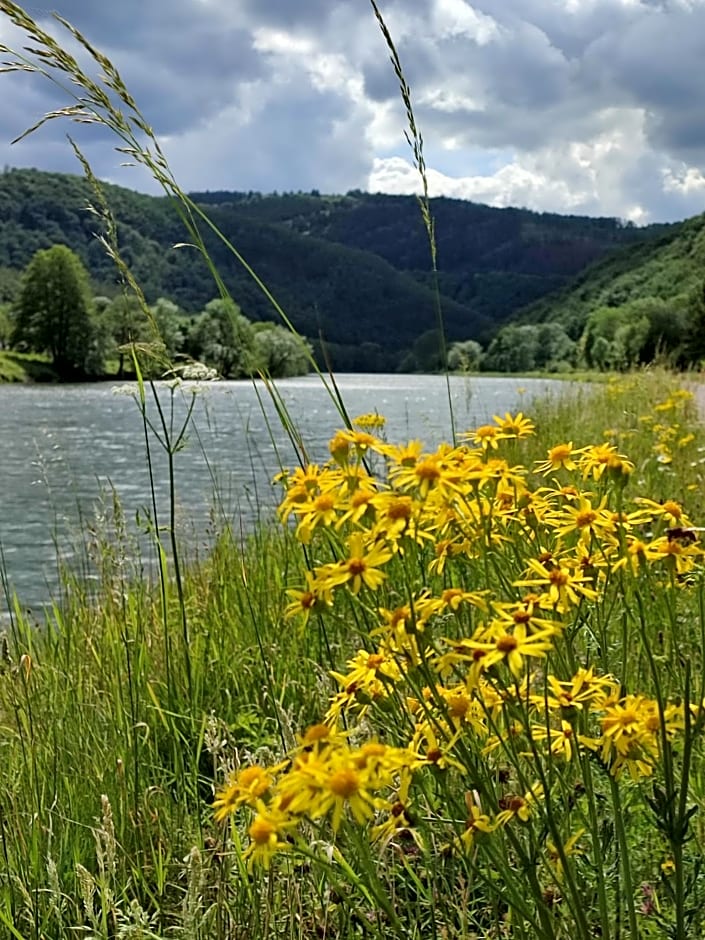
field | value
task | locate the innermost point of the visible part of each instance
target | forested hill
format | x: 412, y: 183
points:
x: 669, y: 269
x: 495, y: 260
x: 353, y: 269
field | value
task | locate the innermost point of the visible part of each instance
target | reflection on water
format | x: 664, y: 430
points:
x: 61, y: 447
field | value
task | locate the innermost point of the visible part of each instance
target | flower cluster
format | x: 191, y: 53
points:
x: 483, y: 590
x: 324, y: 777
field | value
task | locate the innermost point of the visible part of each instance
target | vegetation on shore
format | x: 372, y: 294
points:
x: 55, y: 316
x: 552, y: 788
x: 644, y: 301
x: 25, y: 367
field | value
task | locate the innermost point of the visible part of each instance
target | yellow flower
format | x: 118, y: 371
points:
x: 337, y: 778
x: 319, y: 511
x: 585, y: 688
x: 370, y: 420
x: 477, y: 822
x: 598, y: 458
x: 303, y: 603
x: 669, y: 510
x: 554, y: 856
x: 358, y: 505
x: 302, y: 485
x: 369, y: 677
x: 559, y: 456
x: 243, y: 788
x: 442, y: 470
x: 362, y: 565
x: 585, y: 519
x: 497, y: 645
x: 561, y: 740
x: 519, y: 807
x: 267, y: 833
x: 680, y: 553
x: 517, y: 426
x: 487, y: 435
x: 563, y: 587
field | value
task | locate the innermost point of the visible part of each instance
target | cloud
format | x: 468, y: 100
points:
x: 562, y: 105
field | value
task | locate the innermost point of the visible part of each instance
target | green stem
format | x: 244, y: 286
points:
x: 624, y: 859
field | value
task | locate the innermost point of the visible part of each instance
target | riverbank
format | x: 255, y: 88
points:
x: 16, y: 367
x: 137, y: 702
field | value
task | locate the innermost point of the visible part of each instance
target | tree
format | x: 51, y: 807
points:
x: 168, y: 320
x: 695, y: 333
x: 465, y: 356
x: 281, y: 353
x: 224, y: 339
x: 513, y: 349
x: 125, y: 322
x: 555, y: 350
x: 54, y: 313
x: 426, y: 354
x: 637, y: 332
x: 5, y: 326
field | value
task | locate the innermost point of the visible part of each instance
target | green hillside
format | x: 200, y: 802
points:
x: 642, y: 302
x: 666, y: 268
x: 352, y: 270
x: 494, y: 260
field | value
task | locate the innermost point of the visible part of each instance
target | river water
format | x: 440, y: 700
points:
x: 65, y: 450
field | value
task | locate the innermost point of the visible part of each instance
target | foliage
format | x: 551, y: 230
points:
x: 635, y: 333
x: 278, y: 353
x: 694, y: 339
x: 478, y: 722
x: 502, y: 707
x: 223, y: 339
x: 513, y: 349
x: 658, y: 279
x: 475, y: 242
x: 525, y: 347
x: 25, y: 367
x: 341, y: 266
x: 53, y: 313
x: 465, y: 357
x: 125, y: 322
x: 168, y: 320
x: 9, y: 284
x: 6, y: 326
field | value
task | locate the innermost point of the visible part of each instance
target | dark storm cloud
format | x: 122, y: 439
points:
x: 180, y: 59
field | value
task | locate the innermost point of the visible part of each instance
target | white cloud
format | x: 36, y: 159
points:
x: 684, y: 180
x: 453, y: 18
x: 591, y: 177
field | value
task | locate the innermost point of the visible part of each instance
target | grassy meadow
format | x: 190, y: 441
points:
x: 447, y: 694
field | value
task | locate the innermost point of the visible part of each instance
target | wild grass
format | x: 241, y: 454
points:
x: 113, y: 747
x: 456, y: 693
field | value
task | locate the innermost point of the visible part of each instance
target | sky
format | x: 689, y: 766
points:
x: 592, y: 107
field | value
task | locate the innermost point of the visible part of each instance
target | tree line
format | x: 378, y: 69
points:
x: 614, y: 338
x: 56, y: 313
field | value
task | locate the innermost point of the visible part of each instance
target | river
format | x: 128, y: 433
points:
x: 64, y: 451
